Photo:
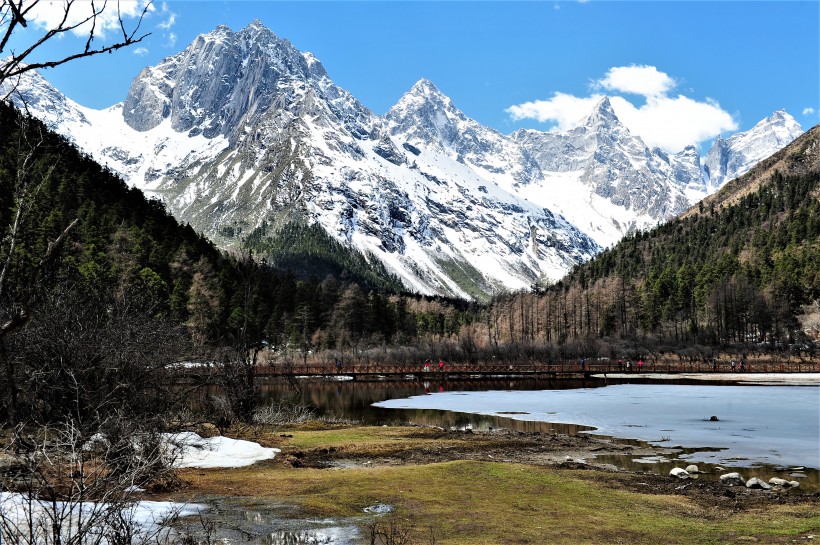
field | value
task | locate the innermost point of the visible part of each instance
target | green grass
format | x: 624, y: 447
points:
x: 472, y: 502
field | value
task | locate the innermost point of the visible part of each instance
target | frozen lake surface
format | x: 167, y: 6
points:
x: 773, y: 425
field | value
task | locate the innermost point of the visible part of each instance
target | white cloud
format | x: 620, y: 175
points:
x: 49, y: 14
x: 565, y: 110
x: 808, y: 111
x: 172, y: 39
x: 640, y: 80
x: 668, y: 122
x: 140, y: 51
x: 672, y: 123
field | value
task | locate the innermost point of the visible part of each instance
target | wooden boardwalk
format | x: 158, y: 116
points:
x: 366, y: 371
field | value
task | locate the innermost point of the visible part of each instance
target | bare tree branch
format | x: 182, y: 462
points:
x: 14, y: 13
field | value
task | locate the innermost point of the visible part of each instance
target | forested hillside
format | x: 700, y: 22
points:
x: 308, y: 250
x: 740, y: 269
x: 94, y: 276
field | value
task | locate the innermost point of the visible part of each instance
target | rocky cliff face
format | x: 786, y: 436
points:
x: 241, y: 128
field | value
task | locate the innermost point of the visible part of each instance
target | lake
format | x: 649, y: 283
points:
x: 757, y: 426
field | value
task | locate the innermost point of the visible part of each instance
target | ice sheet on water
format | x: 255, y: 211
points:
x: 785, y: 419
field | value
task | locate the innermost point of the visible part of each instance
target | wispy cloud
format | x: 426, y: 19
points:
x: 808, y: 111
x: 170, y: 18
x: 668, y: 121
x: 140, y: 51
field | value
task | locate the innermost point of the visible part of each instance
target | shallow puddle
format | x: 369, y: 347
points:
x: 266, y: 522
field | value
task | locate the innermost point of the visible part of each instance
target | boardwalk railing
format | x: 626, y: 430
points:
x: 548, y: 369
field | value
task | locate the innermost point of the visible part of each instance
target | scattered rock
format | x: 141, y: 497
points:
x: 380, y: 509
x: 679, y: 472
x: 794, y: 484
x: 732, y: 479
x: 714, y: 419
x: 758, y: 484
x: 693, y: 469
x: 777, y: 481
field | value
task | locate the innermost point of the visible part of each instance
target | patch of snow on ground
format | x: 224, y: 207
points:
x: 145, y: 517
x: 199, y: 452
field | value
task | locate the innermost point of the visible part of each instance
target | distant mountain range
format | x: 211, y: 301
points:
x: 242, y: 131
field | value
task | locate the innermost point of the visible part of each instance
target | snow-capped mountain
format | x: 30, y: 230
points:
x: 736, y: 155
x: 605, y: 180
x: 426, y: 118
x: 241, y: 128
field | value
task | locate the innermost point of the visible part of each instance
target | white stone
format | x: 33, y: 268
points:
x: 754, y: 482
x: 732, y: 478
x: 777, y: 481
x: 679, y: 472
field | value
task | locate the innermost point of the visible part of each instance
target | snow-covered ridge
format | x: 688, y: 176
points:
x: 736, y: 155
x: 241, y: 128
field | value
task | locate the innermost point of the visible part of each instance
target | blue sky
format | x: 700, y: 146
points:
x: 734, y: 63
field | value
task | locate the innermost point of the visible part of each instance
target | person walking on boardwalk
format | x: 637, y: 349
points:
x: 427, y: 365
x: 441, y: 365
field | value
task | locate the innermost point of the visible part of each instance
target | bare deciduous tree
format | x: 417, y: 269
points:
x: 68, y: 488
x: 76, y: 16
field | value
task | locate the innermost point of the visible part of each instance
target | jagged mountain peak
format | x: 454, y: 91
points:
x: 780, y: 124
x: 257, y: 32
x: 426, y: 99
x: 223, y: 80
x: 604, y: 108
x: 425, y: 87
x: 731, y: 157
x: 781, y: 119
x: 690, y: 152
x: 603, y: 116
x: 425, y: 115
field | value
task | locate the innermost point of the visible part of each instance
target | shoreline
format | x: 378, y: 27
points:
x: 331, y: 474
x: 759, y: 379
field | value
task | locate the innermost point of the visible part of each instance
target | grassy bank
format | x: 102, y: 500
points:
x: 487, y: 501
